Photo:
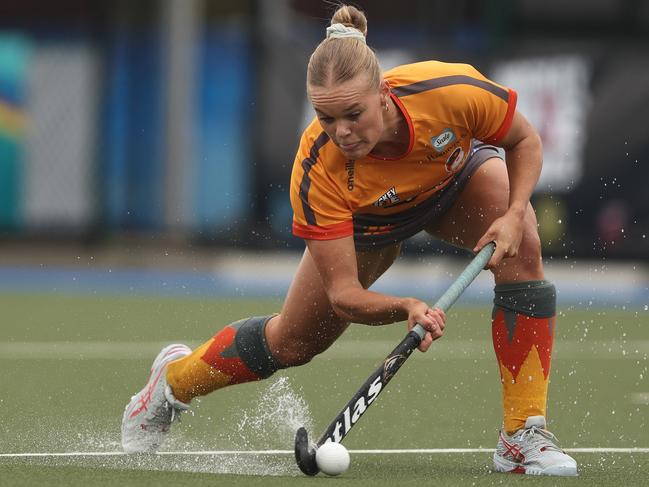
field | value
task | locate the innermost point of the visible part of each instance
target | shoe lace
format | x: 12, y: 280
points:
x: 540, y: 438
x: 161, y: 415
x: 176, y: 413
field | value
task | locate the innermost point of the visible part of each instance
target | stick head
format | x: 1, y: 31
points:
x: 305, y: 453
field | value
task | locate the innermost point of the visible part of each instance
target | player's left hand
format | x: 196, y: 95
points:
x: 507, y: 232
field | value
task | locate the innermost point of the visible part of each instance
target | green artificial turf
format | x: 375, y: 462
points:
x: 70, y: 363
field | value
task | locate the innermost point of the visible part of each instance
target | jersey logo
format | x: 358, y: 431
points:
x: 349, y: 167
x: 390, y: 197
x: 455, y: 160
x: 442, y: 140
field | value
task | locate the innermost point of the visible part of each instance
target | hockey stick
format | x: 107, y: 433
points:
x: 369, y: 391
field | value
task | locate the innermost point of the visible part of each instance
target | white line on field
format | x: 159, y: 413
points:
x: 290, y: 452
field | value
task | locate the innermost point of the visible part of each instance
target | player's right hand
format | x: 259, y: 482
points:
x: 432, y: 320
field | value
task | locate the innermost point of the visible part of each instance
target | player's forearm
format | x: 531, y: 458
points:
x: 524, y: 161
x: 359, y: 305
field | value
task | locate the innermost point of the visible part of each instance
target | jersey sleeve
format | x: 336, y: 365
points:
x: 319, y: 210
x: 489, y: 106
x: 458, y: 94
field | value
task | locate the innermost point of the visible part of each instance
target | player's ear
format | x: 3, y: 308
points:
x: 384, y: 90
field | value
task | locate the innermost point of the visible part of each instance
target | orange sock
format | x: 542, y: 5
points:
x: 523, y: 325
x: 237, y: 354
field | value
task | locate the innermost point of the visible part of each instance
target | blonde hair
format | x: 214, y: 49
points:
x: 341, y: 58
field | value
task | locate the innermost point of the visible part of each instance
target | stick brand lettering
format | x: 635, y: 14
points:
x: 352, y: 414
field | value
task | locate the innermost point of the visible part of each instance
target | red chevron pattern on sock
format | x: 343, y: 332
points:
x: 513, y: 341
x: 230, y: 366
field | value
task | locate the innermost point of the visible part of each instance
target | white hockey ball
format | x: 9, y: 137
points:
x: 332, y: 458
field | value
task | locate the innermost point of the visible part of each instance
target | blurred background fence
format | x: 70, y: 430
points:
x: 179, y: 119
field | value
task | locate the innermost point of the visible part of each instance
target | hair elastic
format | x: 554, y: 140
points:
x: 342, y: 31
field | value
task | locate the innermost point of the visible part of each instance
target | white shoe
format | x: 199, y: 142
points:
x: 531, y: 450
x: 150, y: 413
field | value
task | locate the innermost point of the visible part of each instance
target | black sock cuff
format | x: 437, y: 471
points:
x: 252, y: 348
x: 537, y: 299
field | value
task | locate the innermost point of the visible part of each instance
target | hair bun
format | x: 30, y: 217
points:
x: 352, y: 17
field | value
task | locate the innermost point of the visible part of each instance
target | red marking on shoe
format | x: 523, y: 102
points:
x: 174, y: 350
x: 145, y: 397
x: 513, y: 450
x: 519, y: 469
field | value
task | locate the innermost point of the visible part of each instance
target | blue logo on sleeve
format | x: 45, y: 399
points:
x: 442, y: 140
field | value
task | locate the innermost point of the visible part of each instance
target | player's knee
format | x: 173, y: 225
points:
x: 529, y: 252
x: 288, y: 347
x: 295, y: 353
x: 293, y: 342
x: 527, y: 264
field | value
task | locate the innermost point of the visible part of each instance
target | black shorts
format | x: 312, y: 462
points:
x: 412, y: 221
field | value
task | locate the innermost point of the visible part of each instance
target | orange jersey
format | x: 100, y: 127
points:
x: 446, y: 107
